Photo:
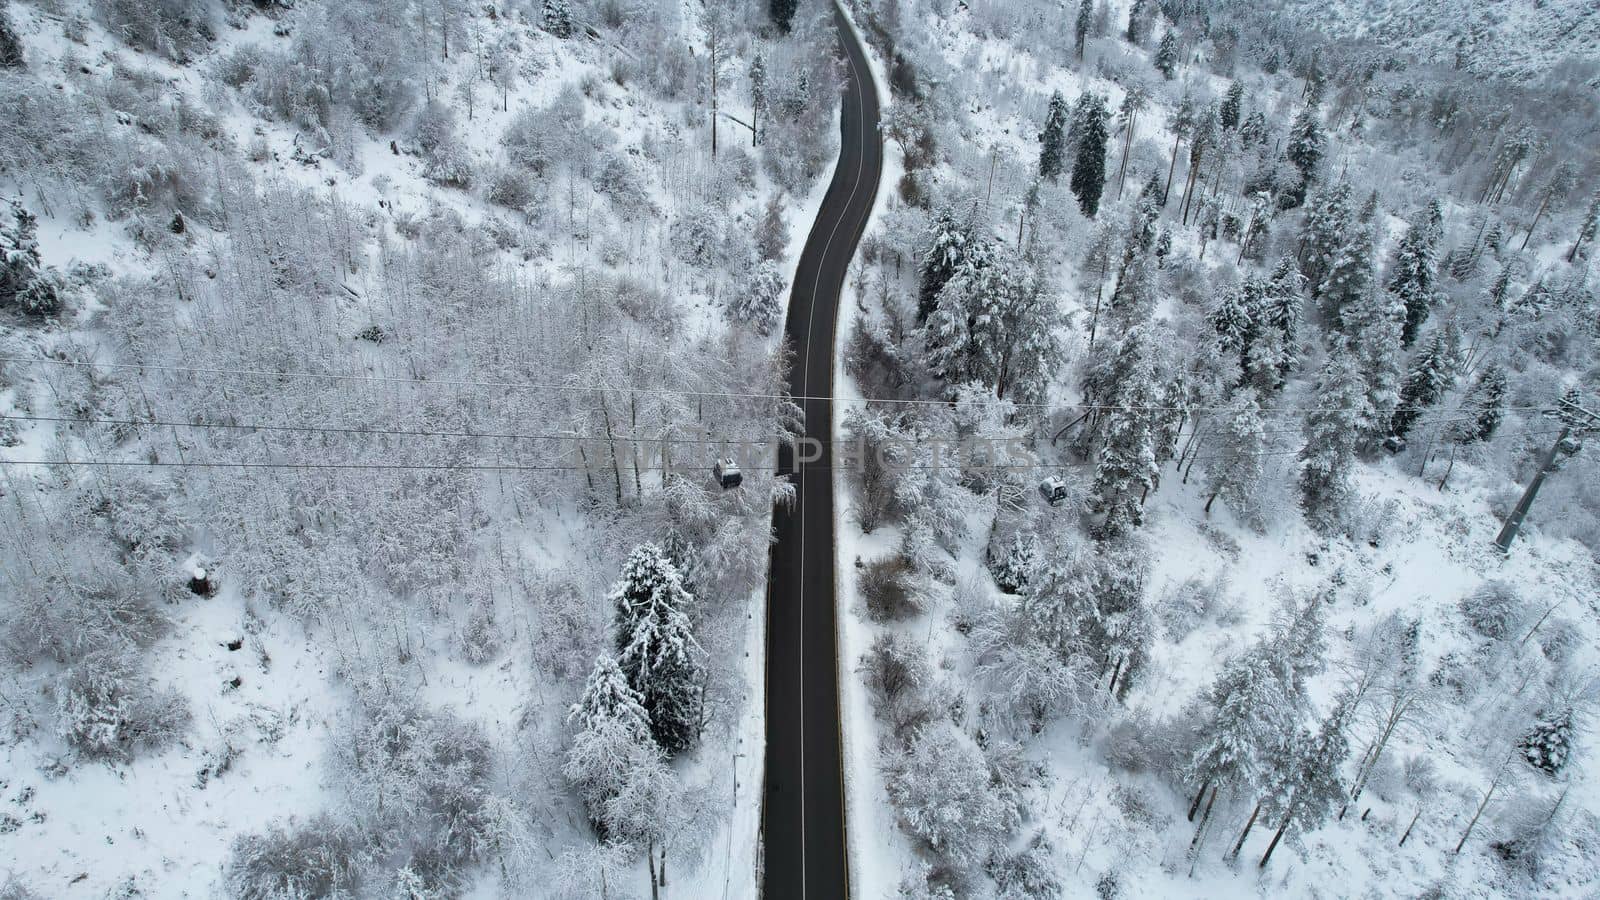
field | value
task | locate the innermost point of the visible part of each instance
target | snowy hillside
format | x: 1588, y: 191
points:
x: 364, y: 365
x: 1518, y: 38
x: 1216, y: 450
x: 1285, y: 351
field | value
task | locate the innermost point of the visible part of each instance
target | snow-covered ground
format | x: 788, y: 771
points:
x: 1115, y: 826
x: 542, y: 548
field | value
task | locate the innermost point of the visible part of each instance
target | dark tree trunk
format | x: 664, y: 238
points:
x: 1190, y: 467
x: 1278, y: 836
x: 1205, y: 817
x: 1449, y: 468
x: 1094, y: 318
x: 1545, y: 205
x: 1249, y: 824
x: 1199, y: 795
x: 650, y: 863
x: 1475, y: 816
x: 1410, y: 826
x: 1171, y: 170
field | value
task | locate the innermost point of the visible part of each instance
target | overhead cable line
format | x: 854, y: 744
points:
x: 685, y: 392
x: 519, y: 467
x: 556, y: 436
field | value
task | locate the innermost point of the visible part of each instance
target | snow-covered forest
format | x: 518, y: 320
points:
x: 1288, y: 320
x: 343, y: 345
x: 363, y: 365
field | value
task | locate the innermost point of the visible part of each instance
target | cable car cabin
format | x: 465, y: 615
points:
x: 727, y: 474
x: 1053, y: 490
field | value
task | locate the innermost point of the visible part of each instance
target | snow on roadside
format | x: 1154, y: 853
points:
x: 181, y: 852
x: 878, y: 851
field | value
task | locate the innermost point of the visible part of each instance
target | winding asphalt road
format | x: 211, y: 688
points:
x: 802, y: 815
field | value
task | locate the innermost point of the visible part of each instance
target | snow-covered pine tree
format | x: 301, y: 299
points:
x: 1257, y: 228
x: 1308, y: 792
x: 956, y: 352
x: 1268, y: 361
x: 1548, y: 744
x: 1369, y: 210
x: 758, y: 101
x: 25, y: 282
x: 760, y: 303
x: 1304, y: 152
x: 1284, y: 300
x: 1090, y: 130
x: 1167, y: 54
x: 557, y: 18
x: 1323, y: 236
x: 993, y: 324
x: 1177, y: 396
x: 1136, y: 23
x: 1462, y: 262
x: 1535, y: 300
x: 1333, y: 428
x: 1253, y: 130
x: 1052, y: 140
x: 1104, y: 374
x: 782, y: 13
x: 10, y: 47
x: 772, y: 233
x: 1080, y: 28
x: 1013, y: 566
x: 1498, y: 293
x: 1089, y: 603
x: 1350, y: 277
x: 1134, y: 297
x: 656, y: 646
x: 19, y: 252
x: 1272, y: 349
x: 1432, y: 374
x: 1233, y: 315
x: 1235, y: 472
x: 1030, y: 339
x: 949, y: 243
x: 1248, y: 723
x: 1495, y: 237
x: 608, y: 697
x: 1296, y: 648
x: 1097, y: 257
x: 1143, y: 219
x: 1232, y: 105
x: 1412, y: 274
x: 1126, y: 470
x: 1299, y: 643
x: 1483, y: 407
x: 1373, y: 320
x: 612, y: 742
x: 1133, y: 102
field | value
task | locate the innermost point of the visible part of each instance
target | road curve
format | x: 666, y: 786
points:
x: 802, y: 813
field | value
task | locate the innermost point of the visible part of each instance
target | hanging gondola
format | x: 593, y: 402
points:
x: 1053, y: 490
x: 726, y: 472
